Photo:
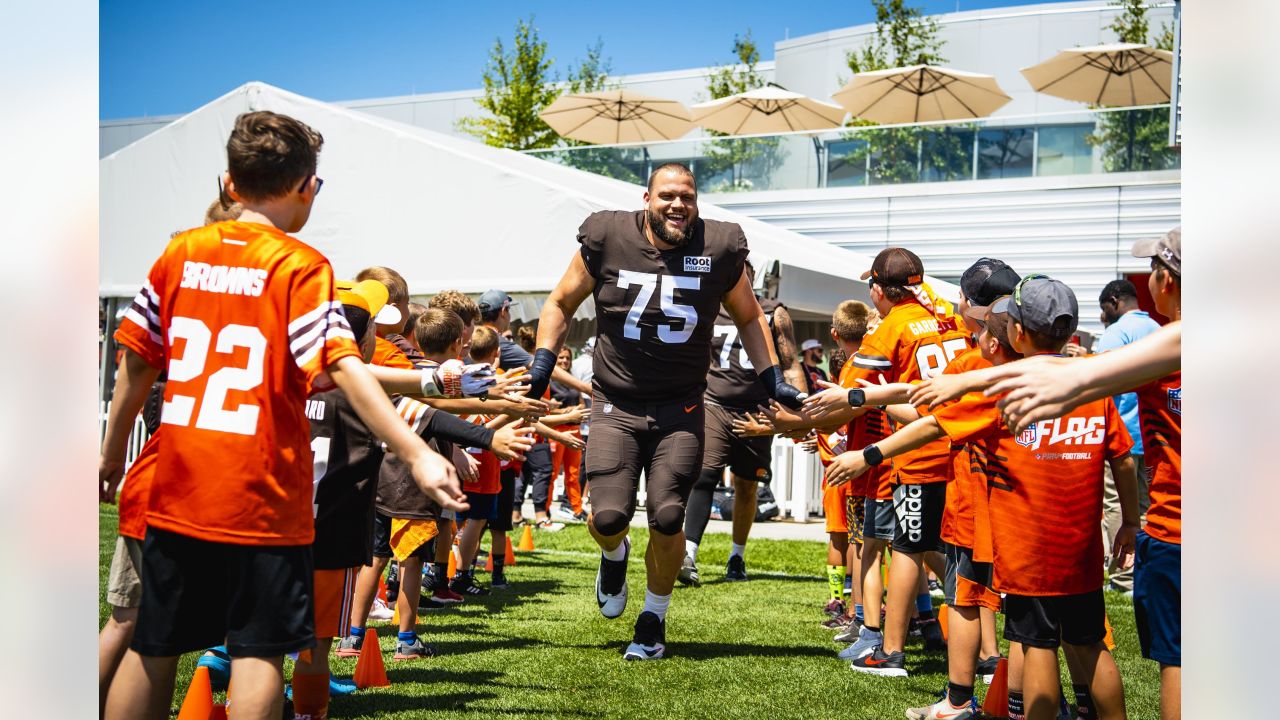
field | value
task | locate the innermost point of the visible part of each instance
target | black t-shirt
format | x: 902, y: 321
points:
x: 733, y: 382
x: 567, y: 396
x: 655, y: 310
x: 346, y: 457
x: 812, y: 374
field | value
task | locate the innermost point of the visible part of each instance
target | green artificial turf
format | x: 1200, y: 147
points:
x: 737, y: 650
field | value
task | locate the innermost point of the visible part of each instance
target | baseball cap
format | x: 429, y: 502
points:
x: 994, y: 317
x: 810, y: 344
x: 986, y: 280
x: 1167, y: 247
x: 1045, y: 306
x: 492, y: 302
x: 896, y: 266
x: 370, y: 295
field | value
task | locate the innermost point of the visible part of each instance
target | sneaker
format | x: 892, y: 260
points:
x: 349, y: 646
x: 550, y: 525
x: 581, y: 517
x: 736, y: 571
x: 867, y: 641
x: 943, y: 710
x: 877, y: 663
x: 848, y: 585
x: 467, y: 585
x: 429, y: 602
x: 987, y: 668
x: 444, y: 595
x: 850, y: 633
x: 415, y: 650
x: 931, y: 630
x: 380, y: 612
x: 649, y: 641
x: 935, y: 590
x: 612, y: 576
x: 565, y: 514
x: 689, y: 573
x: 499, y: 582
x: 341, y: 686
x: 914, y: 628
x: 834, y: 608
x: 838, y: 622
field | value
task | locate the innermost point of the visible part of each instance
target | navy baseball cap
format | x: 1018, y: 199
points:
x: 492, y: 302
x: 986, y: 280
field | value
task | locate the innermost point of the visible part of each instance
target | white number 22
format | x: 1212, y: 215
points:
x: 213, y: 416
x: 648, y: 282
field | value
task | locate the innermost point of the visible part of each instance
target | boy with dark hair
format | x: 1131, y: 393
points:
x: 233, y: 484
x: 1044, y: 492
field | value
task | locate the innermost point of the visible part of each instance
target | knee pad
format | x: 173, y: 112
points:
x: 609, y: 522
x: 708, y: 479
x: 668, y: 518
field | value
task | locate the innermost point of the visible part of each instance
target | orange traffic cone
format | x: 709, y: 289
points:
x: 198, y: 704
x: 453, y: 564
x: 996, y: 703
x: 370, y: 671
x: 1110, y: 639
x: 382, y: 589
x: 488, y: 563
x: 511, y: 553
x: 526, y: 540
x: 942, y: 620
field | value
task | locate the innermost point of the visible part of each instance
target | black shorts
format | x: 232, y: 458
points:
x: 382, y: 540
x: 1157, y: 599
x: 1048, y: 621
x: 196, y: 594
x: 747, y: 458
x: 878, y: 521
x: 960, y: 565
x: 664, y: 440
x: 918, y: 517
x: 506, y: 501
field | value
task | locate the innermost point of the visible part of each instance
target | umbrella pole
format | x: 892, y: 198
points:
x: 817, y: 149
x: 1129, y: 153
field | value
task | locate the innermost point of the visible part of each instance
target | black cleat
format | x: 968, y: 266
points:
x: 689, y: 573
x: 649, y: 641
x: 736, y: 571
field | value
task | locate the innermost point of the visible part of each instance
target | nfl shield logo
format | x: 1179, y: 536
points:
x: 1175, y: 400
x: 1027, y: 438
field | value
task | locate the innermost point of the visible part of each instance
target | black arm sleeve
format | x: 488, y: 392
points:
x: 458, y: 431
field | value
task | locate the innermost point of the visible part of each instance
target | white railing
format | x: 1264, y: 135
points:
x: 137, y: 438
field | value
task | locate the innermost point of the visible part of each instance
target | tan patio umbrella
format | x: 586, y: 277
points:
x: 920, y: 93
x: 616, y: 116
x: 1119, y: 74
x: 768, y: 109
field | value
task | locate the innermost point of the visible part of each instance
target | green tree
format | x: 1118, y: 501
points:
x: 730, y: 159
x: 517, y: 86
x: 592, y: 74
x: 905, y: 36
x: 1135, y: 139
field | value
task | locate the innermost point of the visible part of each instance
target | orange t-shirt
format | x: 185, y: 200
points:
x: 386, y: 354
x: 246, y: 321
x: 958, y: 517
x: 1160, y: 413
x: 488, y: 480
x: 866, y: 429
x: 910, y: 344
x: 136, y: 490
x: 1044, y: 489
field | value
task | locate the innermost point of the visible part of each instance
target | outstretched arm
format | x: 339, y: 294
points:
x: 850, y: 465
x: 784, y: 340
x: 757, y: 340
x: 553, y: 324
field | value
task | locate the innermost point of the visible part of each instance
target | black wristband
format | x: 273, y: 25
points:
x: 857, y: 396
x: 872, y: 455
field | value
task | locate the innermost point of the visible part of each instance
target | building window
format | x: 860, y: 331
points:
x: 1064, y: 150
x: 1005, y: 152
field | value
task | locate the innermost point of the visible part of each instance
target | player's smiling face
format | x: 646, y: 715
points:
x: 672, y: 207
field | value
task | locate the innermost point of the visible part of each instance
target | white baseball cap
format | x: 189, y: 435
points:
x: 810, y: 344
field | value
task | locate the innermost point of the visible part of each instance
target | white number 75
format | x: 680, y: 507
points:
x: 648, y: 282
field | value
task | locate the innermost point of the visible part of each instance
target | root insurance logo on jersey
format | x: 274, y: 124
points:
x: 697, y: 263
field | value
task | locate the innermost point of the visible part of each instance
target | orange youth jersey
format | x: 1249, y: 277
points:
x: 959, y: 516
x: 911, y: 344
x: 386, y: 354
x: 1160, y: 413
x: 136, y: 490
x: 1044, y: 490
x: 246, y: 321
x: 488, y: 479
x: 866, y: 429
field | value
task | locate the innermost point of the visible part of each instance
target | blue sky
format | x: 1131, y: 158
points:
x: 159, y: 58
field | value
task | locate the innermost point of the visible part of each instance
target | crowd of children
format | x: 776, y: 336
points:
x: 421, y: 437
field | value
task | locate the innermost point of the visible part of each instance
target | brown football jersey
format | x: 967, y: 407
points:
x: 733, y: 381
x: 345, y: 459
x: 656, y: 310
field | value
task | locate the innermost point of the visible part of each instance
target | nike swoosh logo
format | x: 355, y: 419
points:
x: 691, y: 408
x: 873, y: 661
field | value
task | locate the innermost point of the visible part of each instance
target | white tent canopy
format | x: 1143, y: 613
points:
x: 446, y: 212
